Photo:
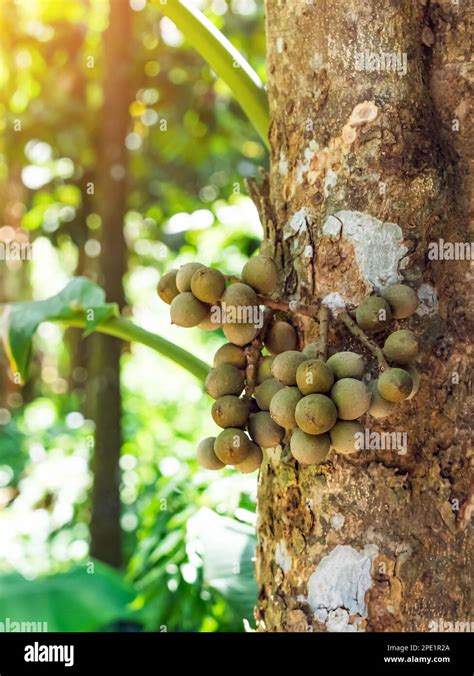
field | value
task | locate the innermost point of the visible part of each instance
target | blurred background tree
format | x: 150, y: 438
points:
x: 122, y: 155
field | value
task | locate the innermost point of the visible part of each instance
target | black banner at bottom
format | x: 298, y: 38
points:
x: 429, y: 653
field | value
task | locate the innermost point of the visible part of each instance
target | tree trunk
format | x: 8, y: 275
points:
x: 106, y: 536
x: 374, y: 541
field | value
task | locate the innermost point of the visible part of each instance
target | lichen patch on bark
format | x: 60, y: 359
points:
x: 378, y: 246
x: 338, y: 586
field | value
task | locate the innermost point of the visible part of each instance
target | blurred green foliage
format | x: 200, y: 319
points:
x: 190, y: 149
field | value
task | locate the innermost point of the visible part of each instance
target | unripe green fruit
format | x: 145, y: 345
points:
x: 224, y: 379
x: 352, y: 398
x: 309, y: 449
x: 264, y: 368
x: 346, y: 365
x: 167, y: 289
x: 283, y: 407
x: 230, y: 411
x: 239, y: 295
x: 379, y: 407
x: 265, y: 431
x: 261, y: 273
x: 265, y: 392
x: 401, y: 346
x: 395, y: 384
x: 416, y: 377
x: 232, y: 446
x: 208, y: 285
x: 184, y: 276
x: 402, y: 299
x: 187, y: 311
x: 280, y: 337
x: 230, y: 354
x: 311, y: 350
x: 285, y: 365
x: 314, y: 376
x: 373, y: 314
x: 208, y: 324
x: 315, y: 414
x: 253, y: 461
x: 206, y: 456
x: 240, y: 334
x: 343, y: 436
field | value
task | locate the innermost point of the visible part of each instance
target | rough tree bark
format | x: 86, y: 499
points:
x: 106, y: 536
x: 376, y: 541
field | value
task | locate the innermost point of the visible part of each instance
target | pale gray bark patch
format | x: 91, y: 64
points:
x: 334, y: 301
x: 282, y: 557
x: 337, y: 588
x: 297, y: 224
x: 378, y: 246
x: 428, y: 300
x: 337, y: 520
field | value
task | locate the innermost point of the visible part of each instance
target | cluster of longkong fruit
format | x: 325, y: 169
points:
x: 264, y: 388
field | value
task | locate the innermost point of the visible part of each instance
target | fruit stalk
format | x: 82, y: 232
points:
x: 280, y: 304
x: 323, y: 331
x: 253, y: 353
x: 358, y: 333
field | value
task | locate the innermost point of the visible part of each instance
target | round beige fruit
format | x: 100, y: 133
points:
x: 230, y: 411
x: 283, y: 406
x: 240, y: 334
x: 311, y: 350
x: 281, y: 336
x: 253, y: 461
x: 208, y: 285
x: 167, y: 289
x: 206, y: 456
x: 314, y: 376
x: 187, y: 311
x: 208, y: 323
x: 401, y: 346
x: 285, y: 365
x: 264, y: 368
x: 230, y: 354
x: 185, y: 274
x: 402, y: 299
x: 373, y: 314
x: 224, y: 379
x: 379, y: 407
x: 395, y: 384
x: 315, y: 414
x: 265, y: 391
x: 239, y: 295
x: 261, y: 273
x: 347, y: 436
x: 232, y: 446
x: 264, y: 430
x: 352, y: 398
x: 346, y: 365
x: 309, y: 449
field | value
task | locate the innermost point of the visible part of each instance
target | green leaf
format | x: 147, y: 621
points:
x: 224, y: 59
x: 228, y: 548
x: 76, y: 600
x: 97, y: 316
x: 81, y: 304
x: 22, y: 319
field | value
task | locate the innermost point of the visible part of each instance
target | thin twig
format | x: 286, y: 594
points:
x: 358, y: 333
x: 281, y: 305
x: 293, y: 306
x: 323, y: 332
x: 253, y: 353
